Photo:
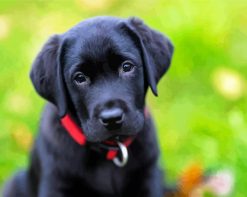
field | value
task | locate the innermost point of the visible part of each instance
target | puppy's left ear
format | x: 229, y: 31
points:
x: 156, y: 50
x: 46, y: 74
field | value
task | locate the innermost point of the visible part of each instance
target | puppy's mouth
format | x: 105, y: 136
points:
x: 113, y: 141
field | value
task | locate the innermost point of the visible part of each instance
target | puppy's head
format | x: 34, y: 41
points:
x: 99, y: 71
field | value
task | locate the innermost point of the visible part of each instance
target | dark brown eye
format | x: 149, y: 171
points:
x: 79, y: 78
x: 127, y: 66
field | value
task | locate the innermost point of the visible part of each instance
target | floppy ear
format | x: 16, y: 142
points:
x: 156, y: 49
x: 46, y: 74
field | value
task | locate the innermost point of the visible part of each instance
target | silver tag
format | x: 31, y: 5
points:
x: 124, y: 152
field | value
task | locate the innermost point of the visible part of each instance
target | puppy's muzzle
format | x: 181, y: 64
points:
x: 112, y: 118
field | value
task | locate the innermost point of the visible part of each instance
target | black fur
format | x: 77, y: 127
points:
x: 96, y: 48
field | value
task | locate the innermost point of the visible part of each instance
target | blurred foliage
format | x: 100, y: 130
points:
x: 201, y: 109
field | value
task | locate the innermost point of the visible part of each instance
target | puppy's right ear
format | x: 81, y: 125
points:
x: 157, y: 50
x: 46, y: 74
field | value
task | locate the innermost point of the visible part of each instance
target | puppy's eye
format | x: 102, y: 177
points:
x: 79, y: 78
x: 127, y: 66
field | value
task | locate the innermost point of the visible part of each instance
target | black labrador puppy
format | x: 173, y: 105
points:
x: 95, y: 78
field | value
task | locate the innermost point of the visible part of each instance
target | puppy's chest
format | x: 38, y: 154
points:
x: 106, y: 178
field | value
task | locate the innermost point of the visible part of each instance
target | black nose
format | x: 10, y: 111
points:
x: 111, y: 118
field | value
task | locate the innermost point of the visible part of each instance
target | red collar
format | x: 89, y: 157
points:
x: 79, y: 137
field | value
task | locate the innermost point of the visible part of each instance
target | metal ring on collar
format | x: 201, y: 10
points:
x: 124, y: 152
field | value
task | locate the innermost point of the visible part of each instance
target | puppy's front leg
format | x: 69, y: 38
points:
x: 152, y: 185
x: 50, y: 186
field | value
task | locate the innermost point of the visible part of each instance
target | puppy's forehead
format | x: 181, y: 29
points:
x: 107, y: 23
x: 94, y: 38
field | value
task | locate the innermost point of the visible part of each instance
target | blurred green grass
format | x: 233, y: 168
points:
x: 201, y: 109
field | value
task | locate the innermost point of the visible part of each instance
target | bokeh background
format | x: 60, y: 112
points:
x: 201, y: 109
